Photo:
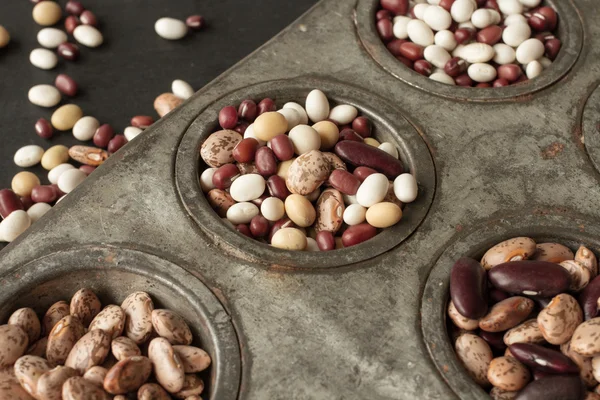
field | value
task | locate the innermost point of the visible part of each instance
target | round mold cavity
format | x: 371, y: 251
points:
x: 570, y: 32
x: 571, y: 232
x: 591, y: 127
x: 113, y: 273
x: 389, y: 125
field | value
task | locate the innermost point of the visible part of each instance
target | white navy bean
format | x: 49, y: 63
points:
x: 373, y: 190
x: 311, y: 245
x: 389, y: 148
x: 462, y: 10
x: 242, y: 213
x: 182, y: 89
x: 349, y: 199
x: 420, y: 33
x: 300, y: 110
x: 51, y: 38
x: 442, y: 78
x: 433, y: 2
x: 131, y: 132
x: 88, y: 36
x: 85, y: 128
x: 272, y: 208
x: 515, y: 19
x: 38, y: 210
x: 419, y: 10
x: 477, y: 53
x: 467, y: 25
x: 44, y: 95
x: 291, y: 116
x: 247, y: 187
x: 57, y: 171
x: 12, y: 226
x: 510, y: 7
x: 515, y: 34
x: 436, y: 55
x: 530, y: 3
x: 43, y: 58
x: 170, y: 28
x: 70, y: 179
x: 482, y: 72
x: 437, y: 18
x: 456, y: 52
x: 446, y: 39
x: 545, y: 61
x: 249, y: 133
x: 530, y: 50
x: 504, y: 54
x: 343, y: 114
x: 317, y: 106
x: 534, y: 69
x: 28, y: 156
x: 400, y: 28
x: 406, y: 188
x: 206, y: 179
x: 482, y: 18
x: 354, y: 214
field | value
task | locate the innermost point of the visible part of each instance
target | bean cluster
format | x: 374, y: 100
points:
x: 525, y: 320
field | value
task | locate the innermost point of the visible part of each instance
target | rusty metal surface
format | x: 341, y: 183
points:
x: 353, y: 331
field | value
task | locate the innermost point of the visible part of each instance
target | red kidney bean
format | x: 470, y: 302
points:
x: 563, y: 387
x: 398, y: 7
x: 350, y: 134
x: 588, y: 299
x: 357, y: 234
x: 501, y: 82
x: 463, y: 80
x: 9, y: 202
x: 116, y: 143
x: 282, y: 147
x: 245, y: 150
x: 483, y: 85
x: 248, y: 110
x: 530, y: 278
x: 406, y: 62
x: 66, y: 85
x: 88, y: 18
x: 363, y: 155
x: 27, y: 202
x: 383, y: 14
x: 225, y: 175
x: 455, y: 66
x: 195, y: 22
x: 493, y: 4
x: 538, y: 22
x: 543, y: 359
x: 44, y: 194
x: 394, y: 46
x: 522, y: 78
x: 543, y: 36
x: 228, y: 117
x: 463, y: 35
x: 423, y: 67
x: 550, y: 15
x: 142, y: 121
x: 362, y: 172
x: 510, y: 72
x: 537, y: 374
x: 496, y: 296
x: 341, y: 127
x: 362, y: 126
x: 74, y: 7
x: 344, y: 181
x: 494, y: 339
x: 446, y: 4
x: 284, y: 222
x: 412, y: 51
x: 325, y: 241
x: 266, y: 105
x: 241, y: 127
x: 552, y: 48
x: 88, y: 169
x: 277, y: 187
x: 468, y: 288
x: 103, y: 135
x: 266, y: 162
x: 259, y: 226
x: 244, y: 230
x: 71, y: 22
x: 490, y: 35
x: 258, y: 202
x: 68, y: 51
x: 43, y: 128
x: 385, y: 29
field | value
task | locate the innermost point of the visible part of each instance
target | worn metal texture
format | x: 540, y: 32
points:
x: 503, y: 166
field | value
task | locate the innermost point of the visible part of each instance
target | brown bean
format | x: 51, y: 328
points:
x: 349, y: 134
x: 357, y: 234
x: 85, y: 305
x: 55, y: 313
x: 564, y: 387
x: 62, y: 338
x: 325, y: 241
x: 142, y: 121
x: 463, y: 80
x: 88, y: 155
x: 38, y: 348
x: 362, y: 126
x: 44, y: 128
x: 220, y: 201
x: 282, y: 223
x: 152, y: 391
x: 490, y: 35
x: 192, y: 386
x: 344, y: 181
x: 543, y: 359
x: 26, y: 319
x: 361, y: 154
x: 9, y: 202
x: 506, y: 314
x: 330, y: 211
x: 394, y: 46
x: 245, y: 150
x: 103, y: 135
x: 225, y: 175
x: 363, y: 172
x: 282, y: 147
x: 68, y: 51
x: 277, y: 187
x: 259, y: 226
x: 44, y: 194
x: 510, y: 72
x: 66, y: 85
x: 128, y: 375
x: 195, y: 22
x: 266, y: 163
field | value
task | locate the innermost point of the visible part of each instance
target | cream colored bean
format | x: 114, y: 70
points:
x: 131, y: 132
x: 43, y: 59
x: 4, y: 37
x: 170, y: 28
x: 477, y: 53
x: 272, y: 208
x: 504, y: 54
x: 70, y: 179
x: 55, y: 156
x: 292, y: 117
x: 317, y: 106
x: 515, y: 34
x: 242, y: 213
x: 482, y: 18
x: 311, y: 245
x: 249, y: 133
x: 57, y: 171
x: 515, y: 19
x: 462, y: 10
x: 437, y: 18
x: 355, y: 214
x: 372, y: 142
x: 65, y: 117
x: 47, y: 13
x: 304, y: 138
x: 28, y: 156
x: 534, y: 69
x: 182, y: 89
x: 206, y: 182
x: 343, y: 114
x: 269, y: 124
x: 437, y: 55
x: 510, y: 7
x: 300, y: 210
x: 300, y: 110
x: 419, y: 10
x: 373, y: 190
x: 442, y: 78
x: 51, y: 38
x: 85, y: 128
x: 383, y: 215
x: 12, y: 226
x: 420, y: 33
x: 44, y: 95
x: 446, y: 40
x: 88, y: 36
x: 247, y: 187
x: 24, y: 182
x: 529, y: 51
x: 406, y: 188
x: 38, y: 210
x: 289, y: 239
x: 482, y: 72
x: 400, y: 28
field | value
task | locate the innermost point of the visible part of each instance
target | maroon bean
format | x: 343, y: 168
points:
x: 357, y: 234
x: 543, y: 36
x: 88, y: 169
x: 563, y: 387
x: 277, y: 187
x: 412, y: 13
x: 71, y: 22
x: 74, y: 7
x: 362, y: 172
x: 245, y: 150
x: 406, y: 62
x: 9, y: 202
x: 66, y: 85
x: 522, y: 78
x: 588, y: 299
x: 282, y: 147
x: 412, y: 51
x: 550, y: 15
x: 493, y: 4
x: 340, y: 127
x: 116, y: 143
x: 543, y: 359
x: 385, y: 29
x: 501, y: 82
x: 394, y: 46
x: 494, y: 339
x: 383, y: 14
x: 483, y: 85
x: 258, y: 202
x: 195, y: 22
x: 350, y: 134
x: 455, y: 66
x: 325, y: 241
x: 27, y: 202
x: 248, y: 110
x: 225, y: 175
x: 344, y: 181
x: 463, y: 35
x: 537, y: 374
x: 362, y: 126
x: 446, y: 4
x: 282, y: 223
x: 142, y: 121
x: 68, y: 51
x: 468, y: 288
x: 228, y: 117
x: 530, y: 278
x: 241, y: 127
x: 537, y: 22
x: 266, y: 162
x: 103, y: 135
x: 244, y: 230
x: 259, y: 226
x: 363, y: 155
x: 43, y: 128
x: 463, y: 80
x: 423, y: 67
x: 88, y: 18
x: 58, y: 191
x: 266, y: 105
x: 44, y: 194
x: 552, y: 48
x: 510, y: 72
x: 496, y: 296
x: 398, y: 7
x: 490, y: 35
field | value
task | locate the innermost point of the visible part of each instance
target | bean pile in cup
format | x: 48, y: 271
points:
x: 324, y: 186
x: 81, y: 351
x: 471, y: 43
x: 525, y: 320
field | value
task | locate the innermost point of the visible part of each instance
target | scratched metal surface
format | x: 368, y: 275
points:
x: 355, y: 331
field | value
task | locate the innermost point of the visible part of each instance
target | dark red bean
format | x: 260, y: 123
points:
x: 490, y: 35
x: 195, y: 22
x: 496, y: 296
x: 522, y: 78
x: 245, y: 150
x: 550, y: 15
x: 241, y: 127
x: 116, y: 143
x: 394, y: 46
x: 9, y: 202
x: 362, y: 155
x: 244, y: 230
x: 259, y: 226
x: 266, y: 105
x: 494, y: 339
x: 225, y: 175
x: 282, y: 147
x: 468, y: 288
x: 446, y: 4
x: 463, y: 80
x: 266, y: 162
x: 277, y: 187
x: 66, y: 85
x: 344, y: 181
x: 88, y: 18
x: 483, y: 85
x: 423, y: 67
x: 552, y: 48
x: 543, y: 359
x: 43, y: 128
x: 362, y: 126
x: 537, y: 374
x: 362, y: 172
x: 357, y: 234
x: 350, y: 134
x: 228, y: 117
x: 510, y: 72
x: 68, y: 51
x: 74, y: 7
x: 383, y: 14
x: 325, y: 241
x: 248, y: 110
x: 385, y: 29
x: 463, y: 35
x: 44, y: 194
x: 493, y: 4
x: 282, y: 223
x: 71, y: 22
x: 142, y: 121
x: 103, y: 135
x: 538, y: 22
x: 588, y: 299
x: 412, y: 51
x: 455, y: 66
x: 563, y: 387
x: 530, y: 278
x: 398, y: 7
x: 406, y: 62
x: 501, y: 82
x: 27, y: 202
x: 543, y: 36
x: 260, y: 200
x: 88, y: 169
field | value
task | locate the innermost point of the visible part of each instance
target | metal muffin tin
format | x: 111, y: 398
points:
x: 356, y: 323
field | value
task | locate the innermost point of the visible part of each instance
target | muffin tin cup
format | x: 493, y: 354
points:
x: 570, y: 32
x: 113, y: 273
x: 572, y: 231
x: 389, y: 124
